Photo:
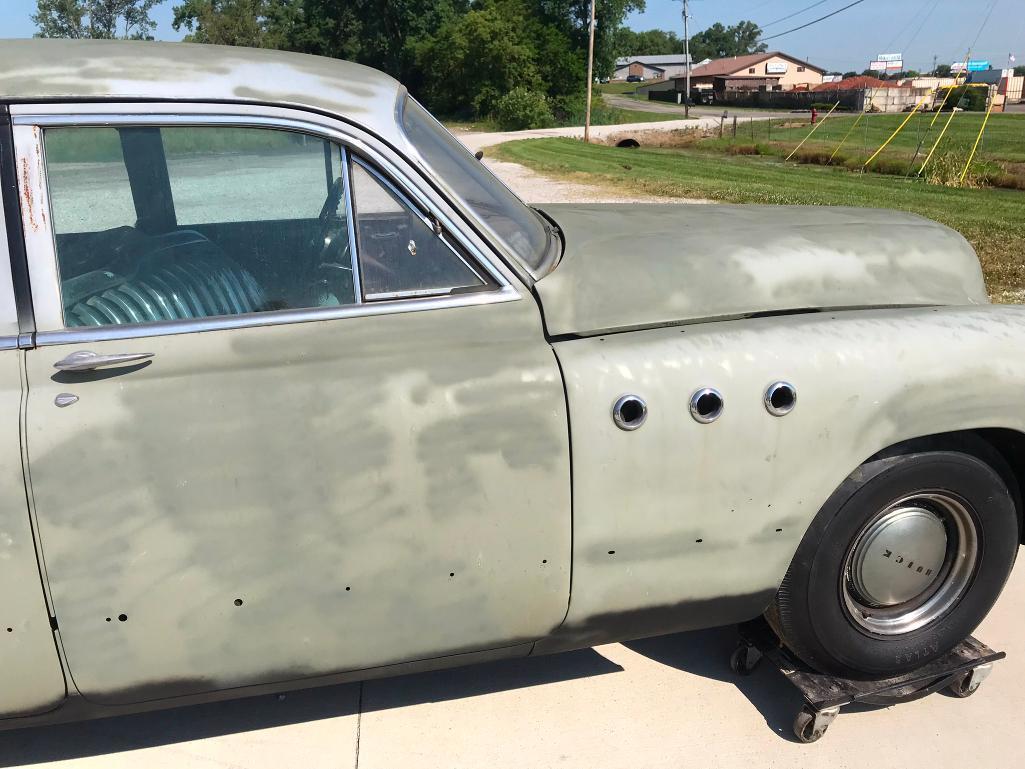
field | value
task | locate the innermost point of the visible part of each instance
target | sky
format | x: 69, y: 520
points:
x: 919, y: 29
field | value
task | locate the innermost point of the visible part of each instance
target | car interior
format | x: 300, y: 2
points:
x: 191, y: 251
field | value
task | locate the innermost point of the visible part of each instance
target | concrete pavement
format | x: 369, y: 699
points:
x: 661, y: 703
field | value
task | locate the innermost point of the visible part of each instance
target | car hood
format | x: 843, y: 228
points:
x: 638, y: 266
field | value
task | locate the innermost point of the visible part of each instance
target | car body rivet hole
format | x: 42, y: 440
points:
x: 544, y: 560
x: 10, y: 630
x: 780, y: 398
x: 778, y: 530
x: 122, y: 617
x: 347, y: 588
x: 706, y: 405
x: 238, y: 601
x: 108, y: 619
x: 451, y: 574
x: 612, y: 552
x: 629, y: 412
x: 699, y: 541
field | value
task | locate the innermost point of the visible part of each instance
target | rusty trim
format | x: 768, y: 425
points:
x: 12, y: 217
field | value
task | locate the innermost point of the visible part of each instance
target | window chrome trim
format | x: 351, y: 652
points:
x: 486, y: 285
x: 9, y: 343
x: 500, y: 290
x: 84, y: 334
x: 199, y: 119
x: 414, y: 152
x: 350, y: 226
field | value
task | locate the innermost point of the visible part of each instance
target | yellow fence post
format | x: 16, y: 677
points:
x: 964, y: 69
x: 899, y: 129
x: 814, y: 128
x: 937, y: 142
x: 978, y: 139
x: 847, y: 136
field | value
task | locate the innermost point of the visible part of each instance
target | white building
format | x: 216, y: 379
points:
x: 651, y: 67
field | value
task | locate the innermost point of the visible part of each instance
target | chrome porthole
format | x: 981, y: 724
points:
x: 706, y: 405
x: 910, y: 563
x: 629, y: 412
x: 780, y: 398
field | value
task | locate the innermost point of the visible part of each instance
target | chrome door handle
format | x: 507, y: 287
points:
x: 86, y: 360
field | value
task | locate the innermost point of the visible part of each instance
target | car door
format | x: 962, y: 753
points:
x: 285, y: 418
x: 31, y: 678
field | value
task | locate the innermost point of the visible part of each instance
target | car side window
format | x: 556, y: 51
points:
x: 401, y: 252
x: 176, y: 223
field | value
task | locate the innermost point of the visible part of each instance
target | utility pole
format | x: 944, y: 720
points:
x: 686, y: 49
x: 590, y: 78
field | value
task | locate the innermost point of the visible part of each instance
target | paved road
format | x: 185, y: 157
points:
x: 662, y: 703
x: 477, y: 141
x: 627, y: 102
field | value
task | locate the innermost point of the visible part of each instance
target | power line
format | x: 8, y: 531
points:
x: 795, y: 13
x: 907, y: 25
x: 985, y: 21
x: 816, y: 21
x: 921, y: 26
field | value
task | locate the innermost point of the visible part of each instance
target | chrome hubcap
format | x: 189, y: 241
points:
x: 910, y: 563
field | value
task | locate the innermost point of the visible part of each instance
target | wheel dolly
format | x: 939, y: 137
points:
x: 960, y: 672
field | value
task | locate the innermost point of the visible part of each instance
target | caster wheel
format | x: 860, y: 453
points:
x: 810, y: 725
x: 963, y: 687
x: 968, y: 683
x: 744, y: 660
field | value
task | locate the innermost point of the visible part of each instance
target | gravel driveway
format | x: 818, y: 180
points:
x: 536, y: 188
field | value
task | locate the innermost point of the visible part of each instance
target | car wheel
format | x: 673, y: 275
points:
x: 901, y: 564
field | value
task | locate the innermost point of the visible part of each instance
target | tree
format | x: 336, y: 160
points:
x: 719, y: 42
x: 253, y: 23
x: 571, y: 18
x: 105, y: 19
x: 942, y: 70
x: 458, y: 56
x: 1019, y: 71
x: 476, y: 58
x: 654, y: 42
x: 847, y: 75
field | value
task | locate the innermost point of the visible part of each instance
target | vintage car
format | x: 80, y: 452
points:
x: 297, y: 392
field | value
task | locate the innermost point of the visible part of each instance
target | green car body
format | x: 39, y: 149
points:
x: 306, y: 495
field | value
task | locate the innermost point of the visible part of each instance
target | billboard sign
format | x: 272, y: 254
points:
x: 975, y: 65
x: 776, y: 68
x: 886, y: 65
x: 890, y: 57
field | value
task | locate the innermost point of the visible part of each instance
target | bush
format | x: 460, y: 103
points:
x: 523, y: 108
x: 971, y: 98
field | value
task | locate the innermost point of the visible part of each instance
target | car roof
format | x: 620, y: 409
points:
x: 119, y: 70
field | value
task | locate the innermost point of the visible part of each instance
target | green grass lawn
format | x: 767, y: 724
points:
x: 1004, y: 138
x: 601, y: 114
x: 993, y: 220
x: 618, y: 87
x: 607, y: 115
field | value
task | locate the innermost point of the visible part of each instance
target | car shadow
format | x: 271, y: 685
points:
x: 706, y: 653
x: 702, y: 653
x: 39, y: 744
